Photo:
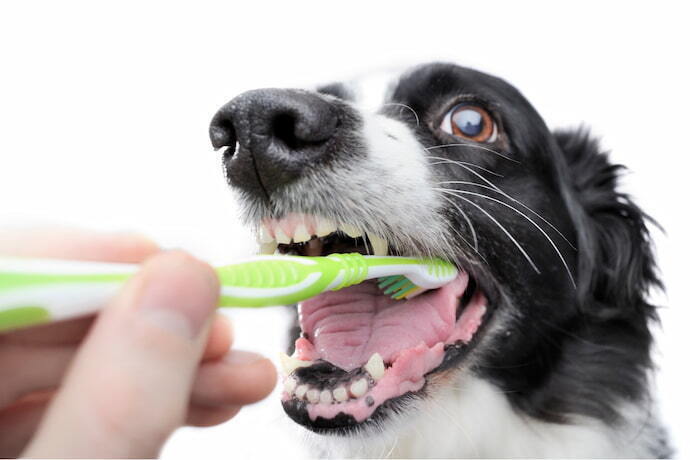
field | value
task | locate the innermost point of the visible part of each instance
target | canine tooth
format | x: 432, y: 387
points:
x: 351, y: 230
x: 313, y: 395
x: 340, y: 394
x: 359, y: 387
x: 326, y: 397
x: 378, y: 244
x: 268, y: 248
x: 301, y: 390
x: 289, y: 364
x: 301, y: 234
x: 290, y: 384
x: 264, y: 236
x: 281, y: 237
x: 324, y: 226
x: 375, y: 367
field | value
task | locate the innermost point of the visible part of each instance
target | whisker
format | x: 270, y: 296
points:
x: 390, y: 451
x: 467, y: 144
x: 407, y: 107
x: 494, y: 187
x: 467, y: 164
x: 555, y: 248
x: 449, y: 417
x: 508, y: 234
x: 469, y: 222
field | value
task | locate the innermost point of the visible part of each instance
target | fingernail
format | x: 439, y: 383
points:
x: 242, y: 358
x: 179, y: 293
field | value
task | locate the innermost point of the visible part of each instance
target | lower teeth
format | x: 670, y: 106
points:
x: 340, y: 394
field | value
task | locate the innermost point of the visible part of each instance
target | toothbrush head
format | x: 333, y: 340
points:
x: 399, y: 287
x: 429, y: 275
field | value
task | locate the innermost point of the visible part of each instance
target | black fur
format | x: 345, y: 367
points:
x: 600, y: 355
x: 576, y: 336
x: 569, y: 351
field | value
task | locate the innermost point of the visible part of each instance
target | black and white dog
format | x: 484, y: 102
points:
x: 540, y: 348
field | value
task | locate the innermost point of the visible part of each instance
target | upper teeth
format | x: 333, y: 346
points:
x: 324, y: 227
x: 268, y: 248
x: 271, y: 233
x: 351, y: 230
x: 263, y: 236
x: 282, y: 237
x: 378, y: 245
x: 301, y: 234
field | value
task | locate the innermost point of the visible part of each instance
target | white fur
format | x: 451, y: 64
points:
x: 461, y: 416
x: 387, y: 192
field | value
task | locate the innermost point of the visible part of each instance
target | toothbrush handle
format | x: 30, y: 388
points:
x: 36, y: 291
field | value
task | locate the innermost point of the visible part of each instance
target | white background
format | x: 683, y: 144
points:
x: 104, y: 111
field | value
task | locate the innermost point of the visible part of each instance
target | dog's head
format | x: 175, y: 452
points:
x: 456, y: 164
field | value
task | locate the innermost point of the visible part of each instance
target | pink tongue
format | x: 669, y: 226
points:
x: 346, y: 327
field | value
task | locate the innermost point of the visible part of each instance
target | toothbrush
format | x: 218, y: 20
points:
x: 35, y: 291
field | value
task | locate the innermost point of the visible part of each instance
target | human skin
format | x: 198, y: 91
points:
x: 157, y: 357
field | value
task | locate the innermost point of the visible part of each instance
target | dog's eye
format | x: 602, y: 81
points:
x: 470, y: 121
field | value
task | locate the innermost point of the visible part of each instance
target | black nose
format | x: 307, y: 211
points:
x: 273, y: 136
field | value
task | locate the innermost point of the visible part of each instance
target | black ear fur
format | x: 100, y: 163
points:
x: 616, y: 260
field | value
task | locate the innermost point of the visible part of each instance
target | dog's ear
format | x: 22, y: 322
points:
x: 615, y: 256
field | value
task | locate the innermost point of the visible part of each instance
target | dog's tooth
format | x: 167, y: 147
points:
x: 301, y: 235
x: 359, y: 387
x: 313, y: 395
x: 340, y: 394
x: 378, y: 245
x: 281, y: 237
x: 351, y: 230
x: 289, y: 364
x: 324, y: 226
x: 326, y: 397
x: 301, y: 390
x: 289, y: 384
x: 375, y: 367
x: 264, y: 236
x: 268, y: 248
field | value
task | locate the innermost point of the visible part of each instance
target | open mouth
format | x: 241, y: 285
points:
x: 360, y: 352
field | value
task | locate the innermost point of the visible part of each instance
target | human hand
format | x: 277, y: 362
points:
x: 156, y: 358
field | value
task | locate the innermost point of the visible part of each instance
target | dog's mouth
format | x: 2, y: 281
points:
x: 361, y: 352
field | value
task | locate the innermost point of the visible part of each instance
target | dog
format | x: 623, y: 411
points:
x: 540, y: 347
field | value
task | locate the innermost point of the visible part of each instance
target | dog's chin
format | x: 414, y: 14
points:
x: 363, y: 356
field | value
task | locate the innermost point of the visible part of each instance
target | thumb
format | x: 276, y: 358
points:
x: 129, y: 385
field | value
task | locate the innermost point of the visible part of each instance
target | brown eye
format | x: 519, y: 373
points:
x: 470, y: 122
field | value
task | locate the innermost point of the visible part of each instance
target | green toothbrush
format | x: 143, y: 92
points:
x: 35, y: 291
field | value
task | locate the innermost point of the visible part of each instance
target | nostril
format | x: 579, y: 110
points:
x: 222, y: 132
x: 283, y: 127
